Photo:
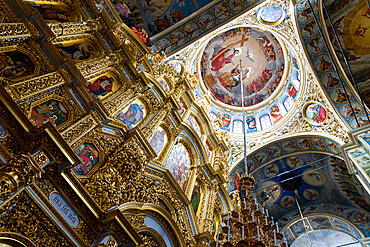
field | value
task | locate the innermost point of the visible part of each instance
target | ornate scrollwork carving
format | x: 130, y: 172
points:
x: 23, y: 216
x: 77, y: 130
x: 114, y: 104
x: 136, y: 221
x: 121, y: 179
x: 148, y: 242
x: 72, y: 27
x: 14, y: 175
x: 37, y: 85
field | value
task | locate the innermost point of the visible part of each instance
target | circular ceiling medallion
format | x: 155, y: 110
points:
x: 314, y: 113
x: 246, y: 52
x: 271, y: 15
x: 315, y: 178
x: 270, y: 193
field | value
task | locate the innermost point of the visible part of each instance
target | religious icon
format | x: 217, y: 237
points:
x: 322, y: 63
x: 271, y: 170
x: 314, y: 113
x: 80, y: 50
x: 317, y: 143
x: 270, y: 193
x: 251, y: 124
x: 339, y: 96
x: 314, y: 177
x: 89, y: 155
x: 310, y: 29
x: 164, y: 84
x: 225, y: 120
x: 270, y: 15
x: 311, y: 194
x: 331, y: 79
x: 100, y: 87
x: 195, y: 198
x: 331, y: 146
x: 182, y: 108
x: 52, y: 111
x: 133, y: 114
x: 273, y: 151
x: 303, y: 143
x: 143, y: 35
x: 261, y: 157
x: 349, y: 111
x: 316, y: 44
x: 54, y: 12
x: 15, y: 64
x: 292, y: 91
x: 288, y: 146
x: 158, y: 140
x: 294, y: 161
x: 287, y: 201
x: 275, y: 113
x: 178, y: 163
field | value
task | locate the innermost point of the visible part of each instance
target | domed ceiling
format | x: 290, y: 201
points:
x: 247, y: 51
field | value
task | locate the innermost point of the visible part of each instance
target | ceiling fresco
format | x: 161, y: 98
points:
x: 326, y: 238
x: 156, y: 15
x: 201, y: 23
x: 286, y: 147
x: 351, y: 20
x: 312, y: 178
x: 347, y: 219
x: 254, y: 54
x: 323, y: 66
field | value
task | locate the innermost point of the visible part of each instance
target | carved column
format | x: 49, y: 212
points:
x: 210, y: 208
x: 204, y: 207
x: 220, y: 164
x: 113, y: 105
x: 153, y: 125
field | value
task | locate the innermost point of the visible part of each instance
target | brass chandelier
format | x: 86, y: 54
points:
x: 250, y: 224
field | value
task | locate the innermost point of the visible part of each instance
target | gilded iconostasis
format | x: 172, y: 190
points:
x: 134, y: 123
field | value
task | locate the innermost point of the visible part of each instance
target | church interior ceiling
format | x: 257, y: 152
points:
x: 122, y: 121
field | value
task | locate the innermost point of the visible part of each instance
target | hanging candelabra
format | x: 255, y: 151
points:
x: 249, y: 224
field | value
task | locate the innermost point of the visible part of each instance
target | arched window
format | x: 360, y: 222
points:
x: 237, y: 127
x: 265, y: 121
x: 288, y: 103
x: 158, y: 140
x: 178, y: 163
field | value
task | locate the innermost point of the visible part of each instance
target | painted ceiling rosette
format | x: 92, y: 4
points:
x: 246, y: 52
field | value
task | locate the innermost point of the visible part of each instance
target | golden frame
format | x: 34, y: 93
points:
x: 307, y: 119
x: 101, y: 152
x: 65, y: 103
x: 27, y: 52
